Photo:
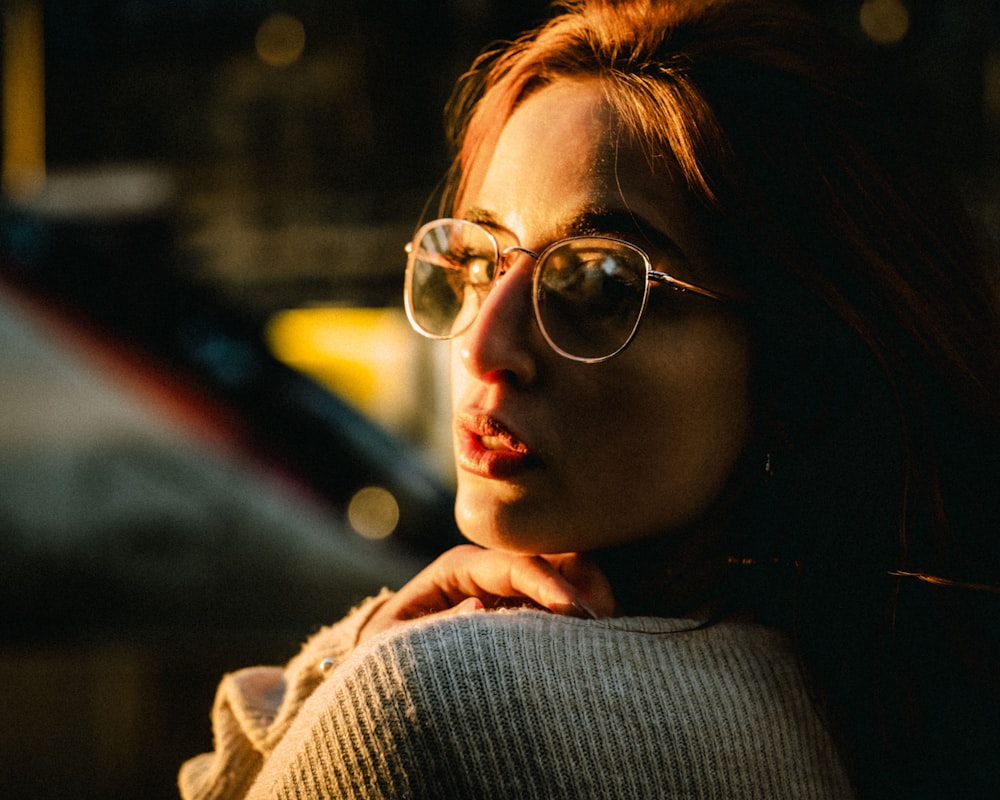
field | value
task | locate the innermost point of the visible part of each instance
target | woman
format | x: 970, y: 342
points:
x: 753, y: 538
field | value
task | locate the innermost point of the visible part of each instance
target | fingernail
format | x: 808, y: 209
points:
x: 469, y: 604
x: 585, y: 608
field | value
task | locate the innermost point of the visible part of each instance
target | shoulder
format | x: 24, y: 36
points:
x: 511, y: 649
x: 517, y: 703
x: 529, y: 658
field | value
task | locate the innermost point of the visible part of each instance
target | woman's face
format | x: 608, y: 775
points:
x: 554, y: 455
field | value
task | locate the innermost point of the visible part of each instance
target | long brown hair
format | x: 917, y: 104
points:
x: 878, y: 338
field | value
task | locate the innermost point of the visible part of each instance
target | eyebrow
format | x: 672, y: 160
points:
x: 598, y: 221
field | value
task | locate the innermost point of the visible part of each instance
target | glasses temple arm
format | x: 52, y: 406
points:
x: 663, y: 277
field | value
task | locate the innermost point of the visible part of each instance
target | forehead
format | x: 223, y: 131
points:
x: 556, y: 149
x: 564, y: 151
x: 567, y: 119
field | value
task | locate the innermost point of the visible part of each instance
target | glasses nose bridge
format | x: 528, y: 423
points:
x: 504, y: 257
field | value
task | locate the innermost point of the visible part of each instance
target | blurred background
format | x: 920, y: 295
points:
x: 217, y: 432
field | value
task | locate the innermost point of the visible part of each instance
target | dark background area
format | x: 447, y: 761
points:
x: 172, y: 496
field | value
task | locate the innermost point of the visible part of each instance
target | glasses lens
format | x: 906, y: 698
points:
x: 589, y: 295
x: 452, y: 264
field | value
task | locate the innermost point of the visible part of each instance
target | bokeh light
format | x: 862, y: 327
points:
x: 280, y: 40
x: 373, y: 512
x: 885, y: 21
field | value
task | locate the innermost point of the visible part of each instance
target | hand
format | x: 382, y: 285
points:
x: 468, y: 577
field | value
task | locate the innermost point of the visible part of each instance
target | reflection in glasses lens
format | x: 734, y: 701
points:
x: 588, y: 292
x: 589, y: 295
x: 451, y: 266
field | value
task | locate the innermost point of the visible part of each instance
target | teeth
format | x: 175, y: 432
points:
x: 490, y: 434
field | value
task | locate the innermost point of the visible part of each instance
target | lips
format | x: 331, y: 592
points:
x: 486, y: 447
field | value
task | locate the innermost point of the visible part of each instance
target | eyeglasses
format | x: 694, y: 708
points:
x: 588, y: 292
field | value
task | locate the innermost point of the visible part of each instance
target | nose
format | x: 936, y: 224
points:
x: 502, y: 342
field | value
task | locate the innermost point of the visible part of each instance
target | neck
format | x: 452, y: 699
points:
x: 679, y: 574
x: 687, y: 572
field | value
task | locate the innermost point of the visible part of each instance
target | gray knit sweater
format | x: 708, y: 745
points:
x: 519, y: 705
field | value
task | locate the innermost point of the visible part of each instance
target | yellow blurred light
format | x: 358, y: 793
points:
x: 280, y: 40
x: 885, y: 21
x: 23, y: 98
x: 366, y: 355
x: 373, y: 512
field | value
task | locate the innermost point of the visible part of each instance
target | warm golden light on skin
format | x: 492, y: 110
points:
x: 23, y: 98
x: 885, y: 21
x: 281, y: 40
x: 373, y: 513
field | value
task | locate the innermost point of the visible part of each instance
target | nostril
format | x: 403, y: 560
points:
x: 513, y: 375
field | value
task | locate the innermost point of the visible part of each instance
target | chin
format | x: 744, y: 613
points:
x: 496, y: 531
x: 533, y: 523
x: 524, y: 535
x: 505, y: 541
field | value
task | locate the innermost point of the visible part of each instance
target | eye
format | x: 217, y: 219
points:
x: 470, y: 252
x: 475, y: 267
x: 460, y: 266
x: 597, y: 280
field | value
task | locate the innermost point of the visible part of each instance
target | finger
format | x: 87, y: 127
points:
x: 588, y: 579
x: 493, y: 579
x: 430, y: 591
x: 390, y: 617
x: 496, y: 576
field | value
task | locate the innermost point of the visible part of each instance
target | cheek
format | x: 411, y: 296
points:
x: 699, y: 405
x: 457, y: 376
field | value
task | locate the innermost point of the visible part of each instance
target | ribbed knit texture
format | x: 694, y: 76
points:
x: 523, y: 705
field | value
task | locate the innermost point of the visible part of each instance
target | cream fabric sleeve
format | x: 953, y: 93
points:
x: 254, y: 707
